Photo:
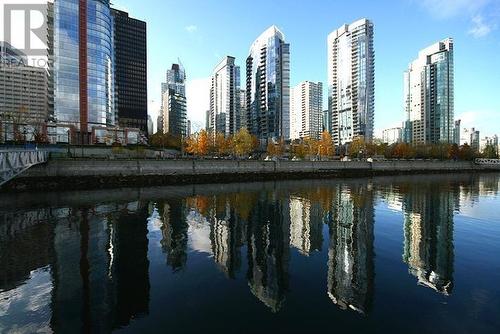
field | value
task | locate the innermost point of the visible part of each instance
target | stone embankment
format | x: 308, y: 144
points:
x: 88, y: 174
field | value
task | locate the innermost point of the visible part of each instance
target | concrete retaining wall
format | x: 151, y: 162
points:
x: 91, y: 174
x: 103, y: 168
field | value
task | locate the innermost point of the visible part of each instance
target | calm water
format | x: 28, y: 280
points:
x: 414, y: 254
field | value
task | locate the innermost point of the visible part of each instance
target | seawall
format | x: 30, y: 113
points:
x: 91, y: 174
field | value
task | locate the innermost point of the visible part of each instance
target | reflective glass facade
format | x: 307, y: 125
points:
x: 100, y: 93
x: 224, y: 98
x: 174, y: 105
x: 429, y: 96
x: 351, y: 82
x: 130, y: 71
x: 268, y: 86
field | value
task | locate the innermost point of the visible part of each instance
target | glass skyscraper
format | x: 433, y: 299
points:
x: 429, y: 95
x: 268, y: 86
x: 174, y: 108
x: 131, y: 71
x: 84, y: 92
x: 224, y: 98
x: 351, y: 82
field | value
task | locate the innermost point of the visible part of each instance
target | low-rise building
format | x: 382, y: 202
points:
x: 392, y: 135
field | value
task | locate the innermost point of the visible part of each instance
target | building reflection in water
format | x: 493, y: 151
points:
x: 97, y: 259
x: 268, y: 249
x: 97, y: 256
x: 227, y: 236
x: 428, y: 234
x: 350, y: 252
x: 174, y: 231
x: 305, y: 225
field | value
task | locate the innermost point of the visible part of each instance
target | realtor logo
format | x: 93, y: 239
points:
x: 25, y: 27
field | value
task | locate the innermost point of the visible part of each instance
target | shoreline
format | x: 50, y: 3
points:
x: 104, y: 174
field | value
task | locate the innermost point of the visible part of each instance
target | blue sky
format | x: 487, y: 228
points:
x: 201, y: 32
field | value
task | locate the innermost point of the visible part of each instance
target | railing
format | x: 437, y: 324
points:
x: 15, y: 162
x: 489, y: 162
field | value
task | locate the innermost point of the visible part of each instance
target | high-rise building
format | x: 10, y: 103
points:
x: 306, y: 110
x: 188, y: 128
x: 23, y: 94
x: 392, y: 135
x: 470, y: 137
x: 224, y: 97
x: 475, y: 139
x: 351, y: 82
x: 268, y: 86
x: 130, y: 71
x: 84, y: 65
x: 456, y: 132
x: 174, y: 102
x: 429, y: 95
x: 10, y: 56
x: 326, y: 124
x: 159, y: 123
x: 242, y: 109
x: 207, y: 120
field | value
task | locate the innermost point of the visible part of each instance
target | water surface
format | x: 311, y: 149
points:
x: 402, y: 254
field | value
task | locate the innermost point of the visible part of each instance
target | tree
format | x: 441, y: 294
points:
x: 453, y: 151
x: 191, y: 144
x: 299, y: 150
x: 276, y: 149
x: 271, y: 149
x: 162, y: 140
x: 466, y: 153
x: 357, y: 147
x: 403, y: 151
x: 221, y: 144
x: 203, y: 143
x: 490, y: 152
x: 312, y: 146
x: 326, y: 148
x: 25, y: 125
x: 255, y: 143
x: 242, y: 143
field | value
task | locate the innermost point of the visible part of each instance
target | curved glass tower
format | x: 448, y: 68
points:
x: 84, y: 64
x: 268, y: 86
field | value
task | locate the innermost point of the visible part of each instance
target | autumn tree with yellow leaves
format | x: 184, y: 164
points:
x: 326, y: 147
x: 242, y: 143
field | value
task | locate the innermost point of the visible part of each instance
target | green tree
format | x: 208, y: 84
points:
x: 490, y: 152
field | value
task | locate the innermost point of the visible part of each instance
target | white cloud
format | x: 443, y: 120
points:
x: 191, y: 28
x: 198, y: 101
x: 482, y: 13
x: 479, y: 119
x: 451, y: 8
x: 479, y: 27
x: 468, y: 118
